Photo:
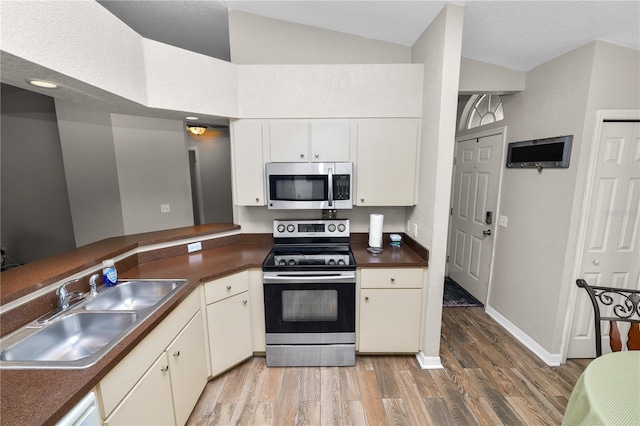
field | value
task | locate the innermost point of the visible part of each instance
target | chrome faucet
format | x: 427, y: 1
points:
x: 93, y: 285
x: 64, y: 296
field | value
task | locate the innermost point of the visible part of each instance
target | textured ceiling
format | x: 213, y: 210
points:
x: 515, y: 34
x: 519, y: 35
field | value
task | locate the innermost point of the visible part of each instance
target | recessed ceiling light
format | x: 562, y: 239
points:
x: 44, y: 84
x: 191, y: 118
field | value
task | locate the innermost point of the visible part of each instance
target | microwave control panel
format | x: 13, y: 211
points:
x: 341, y: 187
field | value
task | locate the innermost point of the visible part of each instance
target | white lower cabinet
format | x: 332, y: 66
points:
x: 256, y: 302
x: 161, y: 379
x: 149, y: 402
x: 187, y: 368
x: 390, y: 310
x: 229, y: 321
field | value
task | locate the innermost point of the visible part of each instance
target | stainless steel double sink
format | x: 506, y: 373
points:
x: 79, y: 336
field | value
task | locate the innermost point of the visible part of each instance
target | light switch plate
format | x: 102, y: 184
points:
x: 194, y: 247
x: 165, y: 208
x: 502, y: 221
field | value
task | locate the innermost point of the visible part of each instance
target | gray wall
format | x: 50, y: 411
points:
x: 258, y: 40
x: 36, y: 219
x: 439, y: 48
x: 92, y: 176
x: 535, y: 255
x: 153, y: 169
x: 214, y: 164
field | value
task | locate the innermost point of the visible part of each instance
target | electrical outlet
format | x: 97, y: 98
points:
x: 165, y: 208
x: 194, y: 247
x: 502, y: 221
x: 415, y: 230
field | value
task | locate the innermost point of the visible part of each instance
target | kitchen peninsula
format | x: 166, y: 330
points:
x: 44, y: 396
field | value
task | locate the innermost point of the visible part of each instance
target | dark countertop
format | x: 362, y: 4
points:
x: 18, y: 282
x: 44, y: 396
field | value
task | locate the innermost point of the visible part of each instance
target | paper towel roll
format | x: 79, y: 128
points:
x: 375, y: 230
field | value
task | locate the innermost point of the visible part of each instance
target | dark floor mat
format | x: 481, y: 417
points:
x: 456, y: 296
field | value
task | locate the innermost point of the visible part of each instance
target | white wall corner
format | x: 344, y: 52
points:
x: 548, y: 358
x: 429, y: 362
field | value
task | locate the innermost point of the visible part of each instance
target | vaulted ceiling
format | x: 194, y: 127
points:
x: 515, y: 34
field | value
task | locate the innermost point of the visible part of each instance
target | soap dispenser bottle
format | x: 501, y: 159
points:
x: 109, y: 273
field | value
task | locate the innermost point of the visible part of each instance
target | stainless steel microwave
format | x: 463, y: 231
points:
x: 309, y: 185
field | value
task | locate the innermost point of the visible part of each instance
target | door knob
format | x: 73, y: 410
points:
x: 487, y: 232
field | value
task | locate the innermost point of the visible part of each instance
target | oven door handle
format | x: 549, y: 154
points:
x: 276, y: 279
x: 330, y: 184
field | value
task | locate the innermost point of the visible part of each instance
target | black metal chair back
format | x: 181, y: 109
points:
x: 625, y: 307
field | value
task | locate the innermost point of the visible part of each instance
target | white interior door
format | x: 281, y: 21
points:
x: 611, y: 256
x: 475, y: 194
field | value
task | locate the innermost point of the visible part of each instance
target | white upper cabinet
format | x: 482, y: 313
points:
x: 247, y: 163
x: 387, y: 160
x: 309, y: 140
x: 384, y: 152
x: 289, y: 141
x: 330, y: 140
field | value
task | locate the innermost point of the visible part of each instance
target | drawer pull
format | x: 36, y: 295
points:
x: 393, y: 280
x: 244, y: 302
x: 228, y: 287
x: 176, y: 354
x: 164, y: 369
x: 366, y: 298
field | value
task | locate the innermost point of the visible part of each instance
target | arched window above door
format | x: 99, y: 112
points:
x: 483, y: 109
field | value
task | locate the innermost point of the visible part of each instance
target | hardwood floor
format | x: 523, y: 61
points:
x: 489, y: 378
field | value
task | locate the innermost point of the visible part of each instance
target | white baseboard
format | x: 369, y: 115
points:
x: 429, y: 362
x: 550, y: 359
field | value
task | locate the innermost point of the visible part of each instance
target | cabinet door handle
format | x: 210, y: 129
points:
x: 176, y: 354
x: 362, y: 200
x: 257, y: 200
x: 228, y: 287
x: 164, y: 369
x: 244, y: 302
x: 393, y: 280
x: 366, y: 298
x: 317, y: 155
x: 301, y: 155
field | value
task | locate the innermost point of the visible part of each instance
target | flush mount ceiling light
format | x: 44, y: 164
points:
x: 196, y: 129
x: 192, y: 118
x: 44, y: 84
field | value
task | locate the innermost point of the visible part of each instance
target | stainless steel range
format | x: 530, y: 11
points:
x: 310, y: 294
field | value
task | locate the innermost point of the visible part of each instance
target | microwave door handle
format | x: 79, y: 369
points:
x: 330, y: 183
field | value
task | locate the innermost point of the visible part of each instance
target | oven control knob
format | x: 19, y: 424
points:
x: 331, y: 227
x: 341, y: 227
x: 292, y: 262
x: 281, y: 228
x: 282, y: 262
x: 341, y: 262
x: 291, y: 228
x: 332, y: 261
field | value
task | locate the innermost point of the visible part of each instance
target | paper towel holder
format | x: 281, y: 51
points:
x: 375, y: 250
